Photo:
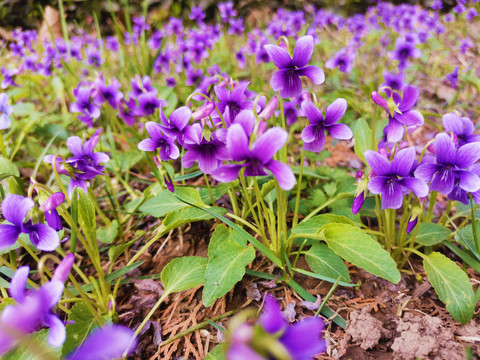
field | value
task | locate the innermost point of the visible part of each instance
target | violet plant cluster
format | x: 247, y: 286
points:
x: 174, y: 98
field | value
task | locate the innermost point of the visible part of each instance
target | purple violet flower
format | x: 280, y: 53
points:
x: 287, y: 78
x: 15, y: 209
x: 241, y: 58
x: 85, y: 104
x: 392, y: 180
x: 177, y: 125
x: 226, y: 11
x: 302, y: 340
x: 405, y: 50
x: 343, y: 59
x: 168, y: 149
x: 313, y: 135
x: 234, y: 101
x: 462, y: 127
x: 196, y: 14
x: 8, y: 77
x: 402, y: 114
x: 112, y: 43
x: 449, y: 173
x: 257, y: 160
x: 108, y: 93
x: 148, y: 103
x: 109, y: 342
x: 5, y: 112
x: 33, y: 309
x: 127, y: 111
x: 209, y: 153
x: 393, y: 81
x: 452, y: 78
x: 236, y: 27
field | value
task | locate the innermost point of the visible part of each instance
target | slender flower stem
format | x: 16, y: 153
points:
x: 474, y: 225
x: 2, y: 147
x: 209, y: 189
x: 299, y: 185
x: 431, y: 204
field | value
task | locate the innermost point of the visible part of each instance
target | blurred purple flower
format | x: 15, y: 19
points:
x: 85, y: 104
x: 452, y: 78
x: 287, y: 78
x: 343, y: 59
x: 236, y: 27
x: 109, y: 342
x: 108, y: 93
x: 393, y: 81
x: 196, y: 14
x: 5, y: 112
x: 313, y: 135
x: 112, y: 43
x: 240, y: 56
x: 233, y: 100
x: 148, y: 103
x: 9, y: 77
x: 227, y: 11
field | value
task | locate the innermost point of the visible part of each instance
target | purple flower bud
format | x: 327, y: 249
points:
x: 268, y: 111
x: 53, y: 201
x: 63, y: 269
x: 358, y: 203
x: 203, y: 111
x: 306, y: 96
x: 411, y: 224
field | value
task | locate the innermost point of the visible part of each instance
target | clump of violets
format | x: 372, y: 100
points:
x: 5, y: 112
x: 393, y: 180
x: 313, y: 135
x: 83, y: 166
x: 272, y: 337
x: 22, y: 217
x: 287, y: 78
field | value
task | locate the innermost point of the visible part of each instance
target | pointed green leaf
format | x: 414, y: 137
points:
x: 430, y: 234
x: 363, y: 137
x: 167, y: 202
x: 452, y: 286
x: 84, y: 323
x: 7, y: 168
x: 314, y: 224
x: 107, y: 234
x: 226, y: 266
x: 221, y: 235
x: 86, y: 216
x: 183, y: 273
x: 357, y: 247
x: 189, y: 214
x: 324, y: 261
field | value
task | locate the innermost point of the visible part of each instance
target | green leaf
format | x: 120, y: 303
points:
x: 7, y: 168
x: 430, y: 234
x: 226, y: 266
x: 217, y: 353
x: 363, y: 138
x: 107, y: 234
x: 86, y: 216
x: 85, y: 322
x: 314, y: 224
x: 162, y: 204
x: 324, y: 261
x: 189, y: 214
x: 221, y: 235
x: 355, y: 246
x: 183, y: 273
x: 452, y: 286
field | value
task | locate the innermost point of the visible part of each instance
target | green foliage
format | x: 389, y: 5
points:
x: 430, y: 234
x: 183, y: 273
x: 108, y: 234
x: 355, y: 246
x: 7, y: 169
x: 86, y: 216
x: 452, y: 286
x: 227, y: 259
x: 324, y: 261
